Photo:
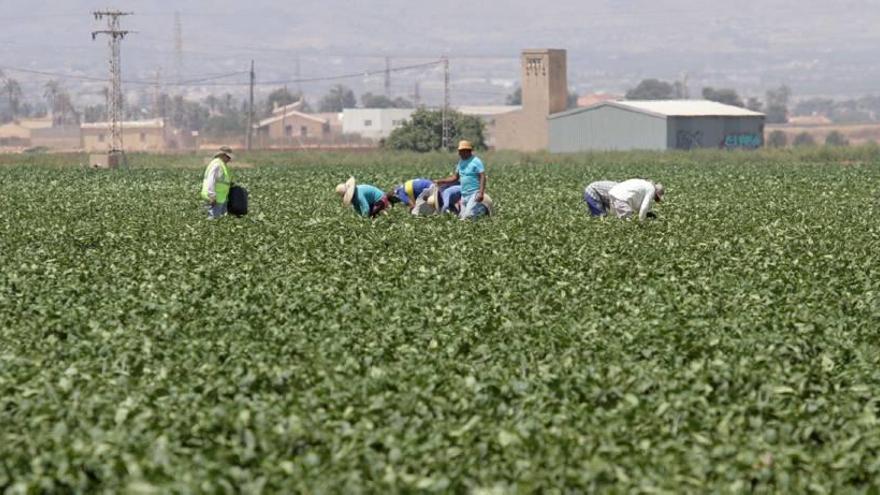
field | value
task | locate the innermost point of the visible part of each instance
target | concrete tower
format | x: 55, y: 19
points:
x: 544, y: 92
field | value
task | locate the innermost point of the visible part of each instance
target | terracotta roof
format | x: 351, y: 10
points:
x: 290, y: 114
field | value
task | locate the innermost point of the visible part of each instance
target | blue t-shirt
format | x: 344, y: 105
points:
x: 469, y: 175
x: 365, y: 196
x: 418, y: 185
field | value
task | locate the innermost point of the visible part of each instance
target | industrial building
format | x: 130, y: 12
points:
x: 374, y: 123
x: 656, y: 125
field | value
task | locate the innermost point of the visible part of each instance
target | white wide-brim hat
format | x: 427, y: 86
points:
x: 488, y: 203
x: 346, y: 190
x: 434, y: 199
x: 659, y: 191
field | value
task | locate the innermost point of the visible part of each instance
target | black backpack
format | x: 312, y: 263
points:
x: 238, y: 201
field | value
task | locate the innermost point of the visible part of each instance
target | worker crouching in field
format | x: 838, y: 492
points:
x: 216, y: 183
x: 635, y: 196
x: 438, y: 200
x: 597, y: 199
x: 412, y: 193
x: 445, y: 200
x: 367, y: 200
x: 471, y: 175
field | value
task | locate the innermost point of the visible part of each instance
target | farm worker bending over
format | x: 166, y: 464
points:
x: 216, y: 183
x: 635, y: 195
x: 596, y: 197
x: 446, y: 200
x: 434, y: 200
x: 367, y: 200
x: 471, y: 174
x: 410, y: 193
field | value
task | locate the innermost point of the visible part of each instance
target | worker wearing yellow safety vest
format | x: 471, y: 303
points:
x: 216, y: 183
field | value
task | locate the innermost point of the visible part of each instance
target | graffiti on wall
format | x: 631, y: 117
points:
x: 685, y: 140
x: 741, y: 141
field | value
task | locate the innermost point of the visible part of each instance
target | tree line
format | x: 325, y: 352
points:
x: 220, y: 116
x: 774, y: 106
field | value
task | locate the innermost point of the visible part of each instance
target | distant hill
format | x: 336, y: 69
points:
x: 817, y: 47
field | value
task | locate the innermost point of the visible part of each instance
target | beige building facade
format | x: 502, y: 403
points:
x: 544, y: 92
x: 290, y: 126
x: 142, y: 135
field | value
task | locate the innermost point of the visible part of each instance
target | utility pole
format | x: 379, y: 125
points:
x: 299, y: 88
x: 178, y: 48
x: 250, y: 119
x: 388, y: 77
x: 157, y: 95
x: 115, y: 100
x: 417, y: 95
x: 445, y: 102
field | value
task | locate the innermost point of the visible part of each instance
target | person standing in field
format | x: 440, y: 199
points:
x: 635, y: 196
x: 411, y: 193
x: 367, y: 200
x: 216, y: 183
x: 597, y: 199
x: 471, y: 175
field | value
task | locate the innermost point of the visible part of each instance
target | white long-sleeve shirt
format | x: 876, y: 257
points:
x: 215, y: 173
x: 599, y: 191
x: 637, y: 193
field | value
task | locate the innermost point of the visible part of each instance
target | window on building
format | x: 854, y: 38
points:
x: 100, y: 138
x: 288, y: 130
x: 143, y: 137
x: 304, y: 131
x: 397, y: 123
x: 368, y: 123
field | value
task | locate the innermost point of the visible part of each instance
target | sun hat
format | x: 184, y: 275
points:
x: 465, y: 145
x: 488, y: 203
x: 659, y: 190
x: 434, y: 199
x: 224, y: 150
x: 346, y: 190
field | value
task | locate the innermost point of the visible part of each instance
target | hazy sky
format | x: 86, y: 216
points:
x: 819, y: 47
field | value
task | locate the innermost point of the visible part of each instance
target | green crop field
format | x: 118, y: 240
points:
x: 732, y: 345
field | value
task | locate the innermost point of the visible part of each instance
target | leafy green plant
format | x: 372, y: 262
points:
x: 729, y: 346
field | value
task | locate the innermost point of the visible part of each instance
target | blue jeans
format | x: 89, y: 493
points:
x: 470, y: 208
x: 450, y: 198
x: 216, y: 211
x: 596, y: 207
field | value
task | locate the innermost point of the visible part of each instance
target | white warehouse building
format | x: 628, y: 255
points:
x: 374, y: 123
x: 655, y: 125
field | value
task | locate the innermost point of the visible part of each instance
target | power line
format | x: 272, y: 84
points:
x: 212, y: 80
x: 350, y: 75
x: 58, y: 75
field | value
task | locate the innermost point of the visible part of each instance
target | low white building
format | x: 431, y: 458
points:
x: 374, y: 123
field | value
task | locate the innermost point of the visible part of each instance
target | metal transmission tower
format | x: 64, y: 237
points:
x: 115, y: 99
x: 445, y: 102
